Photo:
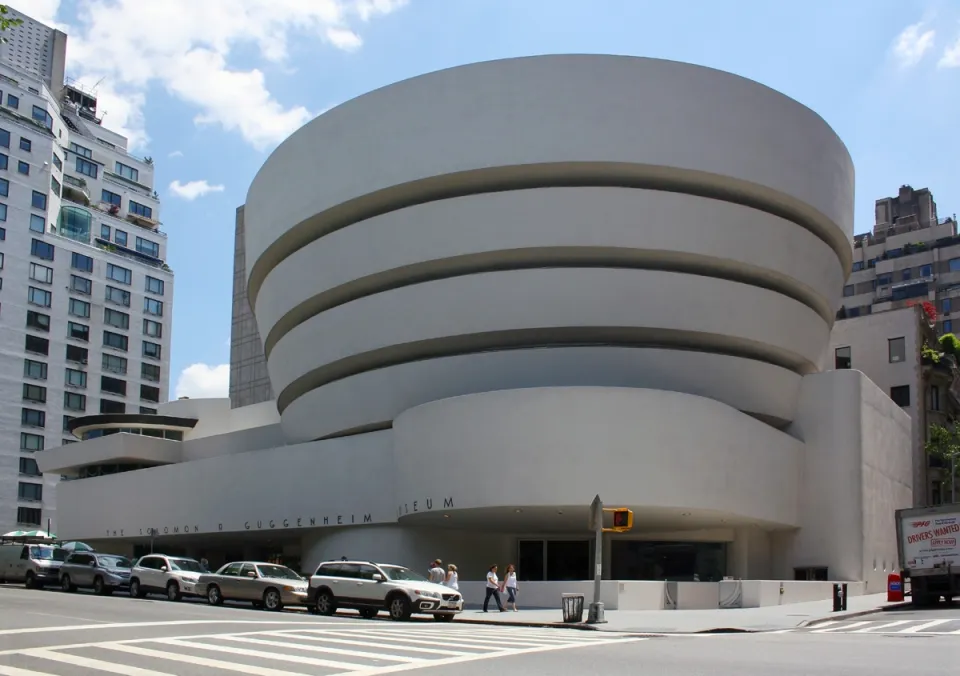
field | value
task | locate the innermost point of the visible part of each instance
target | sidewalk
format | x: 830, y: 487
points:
x: 690, y: 621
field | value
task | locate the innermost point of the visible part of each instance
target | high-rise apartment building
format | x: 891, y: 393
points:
x: 85, y: 293
x: 34, y: 48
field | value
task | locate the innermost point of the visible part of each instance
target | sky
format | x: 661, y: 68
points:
x: 208, y: 88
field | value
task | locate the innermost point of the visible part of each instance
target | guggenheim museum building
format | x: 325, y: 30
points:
x: 489, y: 293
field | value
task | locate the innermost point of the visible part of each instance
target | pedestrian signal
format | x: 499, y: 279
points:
x: 622, y: 520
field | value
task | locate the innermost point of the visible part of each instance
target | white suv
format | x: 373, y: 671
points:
x: 371, y: 587
x: 172, y: 576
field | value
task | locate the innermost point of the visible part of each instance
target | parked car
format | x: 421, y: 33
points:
x: 265, y: 585
x: 103, y: 573
x: 371, y: 587
x: 33, y: 565
x: 173, y: 576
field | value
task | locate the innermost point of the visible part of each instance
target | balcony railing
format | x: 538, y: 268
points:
x: 75, y: 190
x: 125, y: 182
x: 105, y: 208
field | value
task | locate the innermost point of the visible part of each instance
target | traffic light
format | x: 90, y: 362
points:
x: 622, y: 520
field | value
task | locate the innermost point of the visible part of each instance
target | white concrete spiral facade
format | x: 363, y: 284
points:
x: 548, y: 222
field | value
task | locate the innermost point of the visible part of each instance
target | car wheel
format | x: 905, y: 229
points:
x: 272, y: 600
x: 30, y: 581
x: 443, y: 617
x: 66, y: 585
x: 98, y: 587
x: 400, y: 608
x: 135, y: 590
x: 214, y: 597
x: 368, y: 613
x: 326, y: 604
x: 173, y: 591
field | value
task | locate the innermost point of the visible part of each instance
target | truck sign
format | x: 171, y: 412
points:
x: 930, y: 543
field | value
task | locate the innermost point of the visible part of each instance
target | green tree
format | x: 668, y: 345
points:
x: 944, y: 443
x: 6, y: 22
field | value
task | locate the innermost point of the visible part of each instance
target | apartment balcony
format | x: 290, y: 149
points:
x: 124, y: 182
x: 143, y: 221
x: 131, y: 254
x: 113, y: 211
x: 75, y: 190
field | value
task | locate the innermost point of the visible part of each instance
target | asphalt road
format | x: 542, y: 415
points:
x: 48, y: 632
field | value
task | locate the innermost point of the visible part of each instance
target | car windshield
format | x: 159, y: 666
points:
x: 114, y: 561
x: 48, y: 554
x: 279, y: 572
x: 400, y: 573
x: 186, y: 565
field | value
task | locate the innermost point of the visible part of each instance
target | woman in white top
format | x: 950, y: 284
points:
x: 452, y: 578
x: 510, y: 584
x: 493, y: 589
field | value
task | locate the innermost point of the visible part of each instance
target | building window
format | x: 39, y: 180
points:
x: 954, y: 264
x: 934, y: 403
x: 87, y: 168
x: 140, y: 209
x: 120, y: 237
x: 857, y: 266
x: 118, y: 296
x: 42, y: 250
x: 896, y: 350
x: 28, y: 516
x: 28, y: 467
x: 32, y: 417
x: 26, y: 144
x: 40, y: 297
x: 900, y: 395
x: 79, y: 308
x: 110, y: 406
x: 81, y: 285
x: 23, y: 168
x: 105, y: 231
x: 77, y: 354
x: 34, y: 369
x: 4, y: 162
x: 4, y: 188
x: 38, y: 200
x: 80, y: 150
x: 154, y: 285
x: 128, y: 172
x: 152, y: 306
x: 119, y: 274
x: 36, y: 345
x: 150, y: 372
x: 152, y: 328
x: 38, y: 321
x: 75, y: 378
x: 66, y: 422
x: 114, y: 364
x: 147, y: 409
x: 31, y: 443
x: 13, y: 101
x: 81, y: 263
x: 150, y: 393
x: 41, y: 273
x: 145, y: 246
x: 3, y: 213
x: 74, y: 401
x: 4, y: 138
x: 78, y: 331
x: 114, y: 340
x: 906, y: 275
x: 113, y: 386
x: 55, y: 186
x: 842, y: 358
x: 926, y: 270
x: 57, y: 162
x: 948, y: 326
x: 848, y: 290
x: 110, y: 197
x: 945, y: 305
x: 884, y: 280
x: 34, y: 393
x: 30, y: 492
x: 43, y: 117
x: 38, y: 223
x: 117, y: 319
x: 151, y: 350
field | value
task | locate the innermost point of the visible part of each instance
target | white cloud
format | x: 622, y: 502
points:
x: 201, y: 381
x: 951, y: 56
x: 185, y: 46
x: 912, y: 45
x: 176, y: 153
x: 194, y: 189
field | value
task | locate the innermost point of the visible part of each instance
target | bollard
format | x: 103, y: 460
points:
x: 839, y: 597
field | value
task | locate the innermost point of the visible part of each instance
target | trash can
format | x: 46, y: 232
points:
x: 572, y: 607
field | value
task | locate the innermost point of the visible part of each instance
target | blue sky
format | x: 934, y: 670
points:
x: 209, y: 87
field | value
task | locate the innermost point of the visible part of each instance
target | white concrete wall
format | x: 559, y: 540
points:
x: 216, y: 417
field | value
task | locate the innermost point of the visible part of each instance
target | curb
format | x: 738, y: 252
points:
x: 581, y: 626
x: 846, y: 615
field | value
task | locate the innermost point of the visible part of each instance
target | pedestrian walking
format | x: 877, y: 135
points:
x: 453, y: 578
x: 493, y: 590
x: 436, y: 574
x: 510, y: 584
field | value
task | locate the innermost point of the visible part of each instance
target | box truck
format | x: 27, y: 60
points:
x: 929, y: 553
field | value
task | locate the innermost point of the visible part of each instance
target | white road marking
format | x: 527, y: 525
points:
x: 321, y: 649
x: 90, y: 663
x: 246, y: 652
x: 328, y: 637
x: 840, y: 628
x: 198, y: 661
x: 14, y: 671
x: 923, y: 627
x: 168, y: 623
x: 480, y: 636
x: 823, y: 624
x: 778, y: 631
x: 868, y: 630
x: 405, y: 638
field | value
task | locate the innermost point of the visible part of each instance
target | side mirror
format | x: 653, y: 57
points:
x: 163, y: 569
x: 93, y: 564
x: 251, y: 574
x: 377, y: 577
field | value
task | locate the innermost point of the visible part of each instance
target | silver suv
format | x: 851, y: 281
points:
x: 91, y: 570
x: 371, y: 587
x: 173, y: 576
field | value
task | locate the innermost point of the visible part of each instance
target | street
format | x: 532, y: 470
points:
x: 47, y: 632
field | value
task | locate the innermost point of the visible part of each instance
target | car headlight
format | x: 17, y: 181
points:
x: 427, y: 594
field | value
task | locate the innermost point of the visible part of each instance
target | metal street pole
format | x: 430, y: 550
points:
x: 595, y: 614
x: 953, y: 479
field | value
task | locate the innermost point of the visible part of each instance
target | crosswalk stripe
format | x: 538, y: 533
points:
x: 476, y: 644
x: 895, y: 623
x: 551, y: 635
x: 823, y: 624
x: 840, y: 628
x: 923, y: 627
x: 312, y: 661
x: 485, y: 637
x: 330, y: 637
x: 14, y: 671
x: 322, y: 649
x: 199, y: 661
x: 90, y: 663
